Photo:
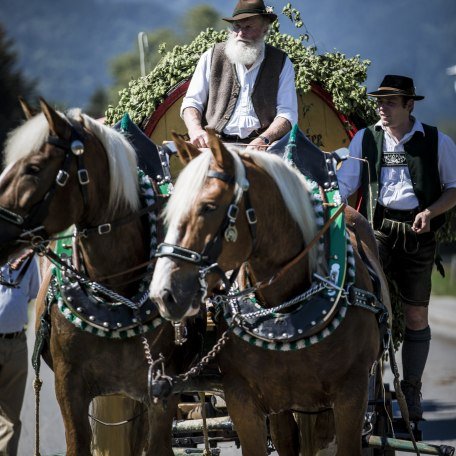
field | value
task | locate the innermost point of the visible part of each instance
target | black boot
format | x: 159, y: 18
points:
x: 412, y: 393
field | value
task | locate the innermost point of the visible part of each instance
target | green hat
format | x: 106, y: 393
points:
x: 249, y: 8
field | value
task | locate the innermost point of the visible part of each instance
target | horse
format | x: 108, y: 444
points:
x: 232, y: 209
x: 68, y: 170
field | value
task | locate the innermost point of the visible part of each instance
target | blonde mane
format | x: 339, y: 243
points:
x: 292, y: 185
x: 31, y: 136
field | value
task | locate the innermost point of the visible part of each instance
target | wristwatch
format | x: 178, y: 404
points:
x: 264, y: 139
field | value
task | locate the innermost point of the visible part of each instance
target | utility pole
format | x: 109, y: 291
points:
x: 143, y: 43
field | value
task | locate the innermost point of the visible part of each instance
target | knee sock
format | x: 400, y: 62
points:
x: 415, y: 350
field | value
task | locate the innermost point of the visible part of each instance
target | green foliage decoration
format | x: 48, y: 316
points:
x: 342, y: 77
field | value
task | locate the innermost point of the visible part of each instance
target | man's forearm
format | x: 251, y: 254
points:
x: 192, y: 118
x: 279, y: 127
x: 446, y: 201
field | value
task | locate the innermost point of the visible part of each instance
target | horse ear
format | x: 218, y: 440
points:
x: 57, y: 124
x: 28, y: 111
x: 222, y: 156
x: 186, y: 151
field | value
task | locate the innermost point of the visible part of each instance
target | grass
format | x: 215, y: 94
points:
x: 444, y: 286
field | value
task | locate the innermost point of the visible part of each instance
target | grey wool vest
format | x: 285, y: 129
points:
x: 421, y: 153
x: 224, y: 88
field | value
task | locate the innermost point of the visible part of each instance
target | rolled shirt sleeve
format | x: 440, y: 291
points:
x: 349, y: 173
x: 198, y: 89
x: 287, y: 101
x: 447, y: 160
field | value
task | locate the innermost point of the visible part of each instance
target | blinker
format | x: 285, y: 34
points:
x: 77, y: 147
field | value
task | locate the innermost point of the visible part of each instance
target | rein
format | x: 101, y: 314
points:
x: 266, y: 283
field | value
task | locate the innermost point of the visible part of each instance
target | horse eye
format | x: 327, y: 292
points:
x: 208, y: 207
x: 32, y: 169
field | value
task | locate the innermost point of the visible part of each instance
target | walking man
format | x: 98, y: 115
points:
x: 19, y: 284
x: 405, y: 191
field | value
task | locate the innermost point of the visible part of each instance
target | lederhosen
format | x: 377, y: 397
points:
x: 407, y: 256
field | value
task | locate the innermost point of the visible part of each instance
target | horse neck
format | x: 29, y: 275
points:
x: 126, y: 247
x: 279, y: 241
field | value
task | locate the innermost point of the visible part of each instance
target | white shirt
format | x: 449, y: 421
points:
x: 13, y: 301
x: 396, y: 190
x: 244, y: 119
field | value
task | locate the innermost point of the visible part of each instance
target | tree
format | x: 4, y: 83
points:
x: 98, y: 103
x: 199, y: 19
x: 12, y: 84
x: 126, y: 67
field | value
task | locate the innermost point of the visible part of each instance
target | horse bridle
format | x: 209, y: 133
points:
x: 207, y: 259
x: 32, y: 224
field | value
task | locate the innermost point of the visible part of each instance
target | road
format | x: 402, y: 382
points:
x: 439, y: 392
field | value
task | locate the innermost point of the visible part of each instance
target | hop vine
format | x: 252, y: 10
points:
x: 340, y: 76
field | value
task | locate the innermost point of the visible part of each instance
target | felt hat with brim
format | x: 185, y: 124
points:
x: 396, y: 85
x: 249, y: 8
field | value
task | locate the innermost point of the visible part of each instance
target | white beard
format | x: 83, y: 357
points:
x: 241, y: 52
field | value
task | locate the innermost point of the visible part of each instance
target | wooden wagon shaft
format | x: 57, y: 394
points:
x: 190, y: 451
x: 407, y: 446
x: 222, y: 423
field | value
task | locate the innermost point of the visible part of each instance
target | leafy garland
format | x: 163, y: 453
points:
x: 340, y: 76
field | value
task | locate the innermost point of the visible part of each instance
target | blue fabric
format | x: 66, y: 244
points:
x: 13, y: 301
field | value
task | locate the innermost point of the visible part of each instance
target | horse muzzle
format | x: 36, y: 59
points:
x: 173, y: 308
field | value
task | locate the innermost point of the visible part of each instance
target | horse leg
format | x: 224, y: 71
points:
x: 249, y: 421
x: 349, y: 410
x: 160, y: 427
x: 284, y: 433
x: 317, y: 433
x: 74, y: 406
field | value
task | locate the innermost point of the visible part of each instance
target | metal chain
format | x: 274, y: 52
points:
x: 266, y: 311
x: 195, y: 370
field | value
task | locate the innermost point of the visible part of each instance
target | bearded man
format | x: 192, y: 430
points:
x: 243, y: 88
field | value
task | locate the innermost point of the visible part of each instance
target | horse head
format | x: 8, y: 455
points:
x: 219, y: 216
x: 56, y: 169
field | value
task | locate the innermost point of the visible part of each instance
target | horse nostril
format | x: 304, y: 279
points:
x: 168, y: 298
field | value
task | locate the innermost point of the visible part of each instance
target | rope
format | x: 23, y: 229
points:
x: 400, y: 396
x: 207, y: 450
x: 37, y: 387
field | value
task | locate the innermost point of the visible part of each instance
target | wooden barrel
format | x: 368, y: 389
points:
x: 318, y: 119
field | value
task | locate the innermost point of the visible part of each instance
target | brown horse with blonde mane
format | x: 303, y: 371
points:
x: 231, y: 209
x: 65, y: 170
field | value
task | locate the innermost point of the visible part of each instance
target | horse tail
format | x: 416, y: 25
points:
x: 127, y: 436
